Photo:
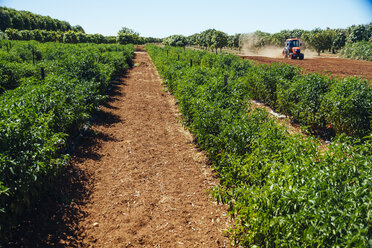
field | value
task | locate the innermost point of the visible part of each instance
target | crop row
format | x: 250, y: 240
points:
x: 282, y: 191
x: 20, y: 60
x: 42, y: 113
x: 326, y: 106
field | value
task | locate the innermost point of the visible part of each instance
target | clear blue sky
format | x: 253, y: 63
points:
x: 162, y: 18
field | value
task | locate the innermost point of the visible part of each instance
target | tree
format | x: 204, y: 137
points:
x: 96, y: 38
x: 234, y: 41
x: 340, y: 39
x: 70, y: 37
x: 78, y: 28
x: 17, y: 21
x: 175, y: 40
x: 204, y: 39
x: 127, y: 36
x: 219, y: 40
x: 82, y: 37
x: 126, y: 30
x: 50, y: 24
x: 3, y: 36
x: 110, y: 39
x: 5, y: 21
x: 38, y: 35
x: 12, y: 34
x: 329, y: 36
x: 317, y: 38
x: 358, y: 33
x: 192, y: 40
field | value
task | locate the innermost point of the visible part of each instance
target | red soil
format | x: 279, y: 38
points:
x: 336, y: 66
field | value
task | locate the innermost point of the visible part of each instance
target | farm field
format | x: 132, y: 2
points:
x: 137, y: 177
x: 145, y: 180
x: 336, y: 66
x: 120, y: 138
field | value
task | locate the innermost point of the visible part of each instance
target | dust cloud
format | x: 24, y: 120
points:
x: 266, y: 51
x: 251, y: 47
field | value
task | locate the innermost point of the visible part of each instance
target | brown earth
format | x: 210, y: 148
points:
x: 136, y: 180
x: 336, y: 66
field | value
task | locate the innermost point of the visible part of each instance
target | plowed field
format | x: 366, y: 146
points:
x: 336, y: 66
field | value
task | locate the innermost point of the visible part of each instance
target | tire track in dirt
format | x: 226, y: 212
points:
x: 149, y: 179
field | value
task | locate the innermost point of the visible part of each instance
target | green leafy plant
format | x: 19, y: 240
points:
x: 281, y: 190
x: 40, y: 116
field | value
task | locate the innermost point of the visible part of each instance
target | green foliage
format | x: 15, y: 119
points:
x: 347, y: 107
x: 25, y: 20
x: 340, y: 39
x: 302, y: 99
x: 175, y: 41
x: 128, y: 36
x: 192, y: 40
x: 78, y: 29
x: 282, y: 191
x: 40, y: 116
x: 204, y: 39
x: 125, y: 30
x: 358, y: 50
x: 70, y: 37
x: 284, y: 88
x: 58, y: 36
x: 211, y: 39
x: 234, y: 41
x: 3, y: 36
x: 358, y: 33
x: 219, y: 40
x: 320, y: 39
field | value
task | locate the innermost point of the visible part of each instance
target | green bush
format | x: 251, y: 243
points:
x: 303, y: 98
x: 347, y: 107
x: 358, y: 50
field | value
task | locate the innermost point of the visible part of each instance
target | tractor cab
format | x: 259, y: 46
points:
x: 292, y: 49
x: 293, y: 43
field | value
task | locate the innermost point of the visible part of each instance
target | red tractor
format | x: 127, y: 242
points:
x: 292, y: 49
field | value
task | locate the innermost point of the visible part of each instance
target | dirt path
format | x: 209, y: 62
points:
x: 336, y: 66
x: 149, y: 179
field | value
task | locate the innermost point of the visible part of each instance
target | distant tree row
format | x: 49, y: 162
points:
x: 75, y: 37
x: 332, y: 40
x: 58, y: 36
x: 129, y: 36
x: 209, y: 39
x: 25, y: 20
x: 321, y: 40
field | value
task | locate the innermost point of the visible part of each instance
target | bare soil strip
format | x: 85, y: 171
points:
x: 149, y: 182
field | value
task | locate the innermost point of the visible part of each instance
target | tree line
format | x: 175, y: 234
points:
x: 25, y: 20
x: 209, y: 39
x: 24, y: 25
x: 320, y: 40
